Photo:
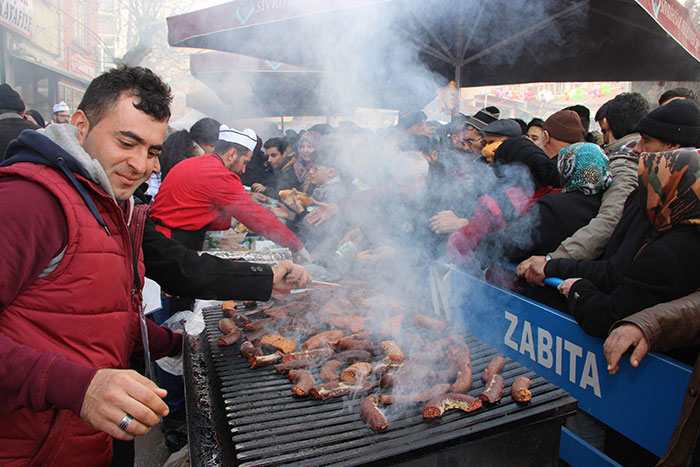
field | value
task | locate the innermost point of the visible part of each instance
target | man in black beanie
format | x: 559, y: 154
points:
x: 12, y: 121
x: 671, y: 126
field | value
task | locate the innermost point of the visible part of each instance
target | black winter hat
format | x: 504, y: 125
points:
x: 677, y: 122
x: 9, y: 98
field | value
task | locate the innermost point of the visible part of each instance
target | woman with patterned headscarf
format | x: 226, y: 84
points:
x: 585, y: 174
x: 664, y: 265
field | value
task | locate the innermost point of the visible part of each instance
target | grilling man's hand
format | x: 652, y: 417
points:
x: 114, y: 393
x: 288, y: 276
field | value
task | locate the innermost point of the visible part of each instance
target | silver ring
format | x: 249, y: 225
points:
x: 126, y: 421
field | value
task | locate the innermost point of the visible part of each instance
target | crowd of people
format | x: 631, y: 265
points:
x: 614, y: 214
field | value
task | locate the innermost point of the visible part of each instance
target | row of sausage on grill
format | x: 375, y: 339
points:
x: 344, y: 356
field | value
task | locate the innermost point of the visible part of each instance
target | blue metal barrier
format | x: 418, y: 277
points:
x: 642, y: 403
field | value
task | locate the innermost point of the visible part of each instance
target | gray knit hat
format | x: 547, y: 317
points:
x: 677, y: 122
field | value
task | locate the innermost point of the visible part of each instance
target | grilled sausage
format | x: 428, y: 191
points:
x: 284, y: 368
x: 240, y: 319
x: 250, y: 303
x: 277, y: 313
x: 520, y: 389
x: 259, y: 324
x: 248, y: 350
x: 429, y: 323
x: 392, y: 350
x: 322, y: 339
x: 453, y: 340
x: 265, y: 360
x: 353, y: 323
x: 464, y: 373
x: 406, y: 373
x: 493, y: 391
x: 339, y: 388
x: 303, y: 382
x: 382, y: 368
x: 356, y: 372
x: 328, y: 371
x: 226, y: 325
x: 441, y: 404
x: 231, y: 331
x: 493, y: 368
x: 352, y: 356
x: 370, y: 413
x: 294, y: 330
x: 393, y: 325
x: 231, y: 338
x: 424, y: 396
x: 355, y: 344
x: 316, y: 354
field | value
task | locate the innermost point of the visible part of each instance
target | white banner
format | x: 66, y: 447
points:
x: 17, y: 15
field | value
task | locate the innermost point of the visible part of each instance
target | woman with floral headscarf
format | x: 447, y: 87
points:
x: 664, y: 267
x: 585, y: 174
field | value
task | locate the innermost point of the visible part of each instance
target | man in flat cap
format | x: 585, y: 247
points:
x: 12, y: 121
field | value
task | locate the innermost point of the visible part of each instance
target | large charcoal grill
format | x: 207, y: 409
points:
x: 239, y: 416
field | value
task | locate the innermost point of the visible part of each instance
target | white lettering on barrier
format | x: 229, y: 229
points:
x: 589, y: 372
x: 544, y: 348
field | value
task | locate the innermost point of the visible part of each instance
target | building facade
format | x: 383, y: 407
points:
x: 49, y: 50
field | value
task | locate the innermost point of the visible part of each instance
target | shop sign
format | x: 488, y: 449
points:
x: 81, y: 65
x: 17, y: 15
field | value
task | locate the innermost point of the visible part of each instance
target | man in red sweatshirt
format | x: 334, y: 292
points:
x: 204, y: 193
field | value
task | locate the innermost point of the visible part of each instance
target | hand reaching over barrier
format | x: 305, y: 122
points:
x: 622, y: 338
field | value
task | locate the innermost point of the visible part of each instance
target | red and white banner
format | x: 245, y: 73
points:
x: 675, y: 19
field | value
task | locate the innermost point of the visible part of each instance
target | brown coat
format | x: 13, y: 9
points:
x: 673, y: 325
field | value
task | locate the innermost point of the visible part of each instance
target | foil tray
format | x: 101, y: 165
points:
x: 263, y: 256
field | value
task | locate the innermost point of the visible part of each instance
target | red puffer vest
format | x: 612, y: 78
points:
x: 84, y: 310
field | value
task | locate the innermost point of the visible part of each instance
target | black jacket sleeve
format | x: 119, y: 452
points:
x: 183, y: 272
x: 663, y: 271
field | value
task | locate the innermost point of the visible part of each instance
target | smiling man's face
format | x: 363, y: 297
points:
x: 126, y: 142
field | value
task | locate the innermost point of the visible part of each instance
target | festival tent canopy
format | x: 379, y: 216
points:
x: 474, y: 42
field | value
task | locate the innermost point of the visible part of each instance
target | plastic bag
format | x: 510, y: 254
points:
x: 173, y: 365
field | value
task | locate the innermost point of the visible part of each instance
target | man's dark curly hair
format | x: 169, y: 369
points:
x: 624, y: 112
x: 105, y: 90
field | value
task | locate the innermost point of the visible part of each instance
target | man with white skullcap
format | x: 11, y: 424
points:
x: 61, y: 113
x: 203, y: 193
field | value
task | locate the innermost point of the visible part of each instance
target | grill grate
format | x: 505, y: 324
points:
x: 269, y: 425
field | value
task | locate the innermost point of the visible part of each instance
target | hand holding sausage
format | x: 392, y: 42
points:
x: 114, y: 393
